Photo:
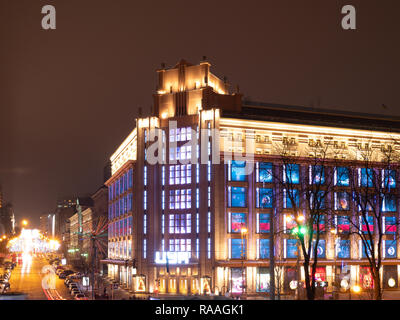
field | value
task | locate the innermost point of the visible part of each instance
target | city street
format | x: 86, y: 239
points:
x: 27, y: 278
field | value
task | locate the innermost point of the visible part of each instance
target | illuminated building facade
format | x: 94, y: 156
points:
x: 176, y: 224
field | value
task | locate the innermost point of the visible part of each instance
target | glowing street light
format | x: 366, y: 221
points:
x: 301, y: 218
x: 356, y: 289
x: 24, y: 222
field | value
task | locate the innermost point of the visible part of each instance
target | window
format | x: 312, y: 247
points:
x: 264, y: 172
x: 342, y: 201
x: 389, y: 225
x: 291, y: 197
x: 263, y: 223
x: 389, y: 203
x: 180, y: 245
x: 238, y: 171
x: 263, y: 248
x: 389, y: 179
x: 365, y: 247
x: 180, y: 199
x: 238, y: 248
x: 365, y: 225
x: 343, y: 249
x: 342, y: 176
x: 321, y: 223
x: 238, y: 221
x: 390, y: 248
x: 144, y: 248
x: 264, y: 198
x: 343, y: 224
x: 317, y: 175
x: 321, y: 252
x: 291, y: 248
x: 319, y: 202
x: 237, y: 197
x: 365, y: 177
x: 180, y: 223
x: 209, y: 248
x: 291, y: 173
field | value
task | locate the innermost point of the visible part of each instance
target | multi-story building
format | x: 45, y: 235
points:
x: 48, y: 224
x: 178, y: 207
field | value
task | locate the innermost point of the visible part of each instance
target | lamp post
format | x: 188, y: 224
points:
x: 243, y: 233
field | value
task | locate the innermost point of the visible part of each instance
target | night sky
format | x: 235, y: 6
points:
x: 68, y: 96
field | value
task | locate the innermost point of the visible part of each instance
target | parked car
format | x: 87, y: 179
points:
x: 65, y: 273
x: 75, y: 276
x: 4, y: 286
x: 75, y: 291
x: 80, y: 296
x: 72, y: 285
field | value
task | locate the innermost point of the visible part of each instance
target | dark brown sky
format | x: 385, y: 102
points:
x: 68, y: 97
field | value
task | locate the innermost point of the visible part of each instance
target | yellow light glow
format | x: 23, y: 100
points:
x: 286, y: 127
x: 289, y: 219
x: 24, y: 222
x: 356, y: 289
x: 301, y: 218
x: 164, y: 115
x: 243, y: 230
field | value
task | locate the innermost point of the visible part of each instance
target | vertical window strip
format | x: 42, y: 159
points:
x: 163, y: 224
x: 145, y: 223
x: 144, y: 248
x: 197, y: 222
x: 197, y: 248
x: 209, y: 248
x: 209, y: 222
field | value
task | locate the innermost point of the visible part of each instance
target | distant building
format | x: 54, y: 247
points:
x: 48, y: 224
x: 7, y: 218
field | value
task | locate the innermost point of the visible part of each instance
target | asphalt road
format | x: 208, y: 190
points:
x: 27, y: 277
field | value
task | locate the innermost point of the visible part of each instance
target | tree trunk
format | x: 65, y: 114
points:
x: 309, y: 288
x: 377, y: 286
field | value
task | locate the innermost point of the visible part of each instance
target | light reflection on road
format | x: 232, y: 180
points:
x: 26, y: 263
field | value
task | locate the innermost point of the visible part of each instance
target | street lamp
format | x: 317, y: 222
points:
x: 24, y: 222
x: 243, y: 233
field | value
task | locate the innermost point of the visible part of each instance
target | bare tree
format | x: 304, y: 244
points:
x: 305, y: 194
x: 375, y: 194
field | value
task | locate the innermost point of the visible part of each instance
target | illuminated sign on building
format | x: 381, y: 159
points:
x: 172, y: 257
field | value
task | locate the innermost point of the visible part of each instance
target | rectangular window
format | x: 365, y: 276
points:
x: 389, y: 179
x: 197, y: 223
x: 130, y: 173
x: 389, y: 203
x: 365, y: 247
x: 291, y: 173
x: 145, y: 223
x: 238, y: 221
x: 342, y: 177
x: 209, y: 222
x: 263, y: 250
x: 343, y: 249
x: 163, y: 176
x: 237, y: 197
x: 321, y: 249
x: 197, y: 248
x: 342, y: 201
x: 343, y: 224
x: 238, y: 248
x: 317, y: 175
x: 163, y: 224
x: 390, y: 249
x: 238, y: 171
x: 291, y: 248
x: 263, y: 223
x: 365, y: 177
x: 209, y: 248
x: 291, y: 198
x: 264, y: 198
x: 264, y: 172
x: 144, y: 248
x: 321, y: 223
x: 389, y: 225
x: 368, y: 224
x: 145, y: 200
